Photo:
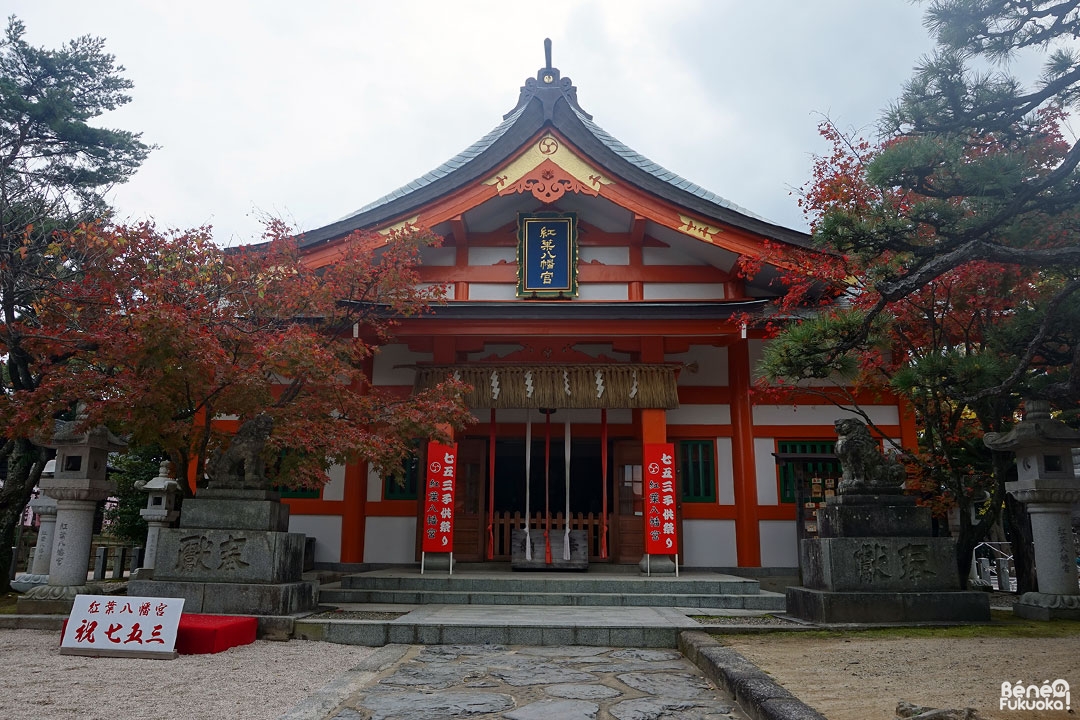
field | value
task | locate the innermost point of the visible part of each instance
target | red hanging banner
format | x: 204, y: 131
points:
x: 660, y: 537
x: 439, y: 498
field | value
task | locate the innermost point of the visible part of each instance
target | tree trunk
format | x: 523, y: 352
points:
x: 1018, y: 531
x: 24, y: 469
x: 966, y: 540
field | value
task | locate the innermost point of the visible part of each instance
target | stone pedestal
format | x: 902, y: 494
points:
x: 657, y: 564
x: 232, y: 554
x: 38, y: 574
x: 1047, y: 484
x: 153, y: 532
x: 1049, y: 505
x: 70, y: 557
x: 876, y: 562
x: 45, y: 509
x: 437, y: 562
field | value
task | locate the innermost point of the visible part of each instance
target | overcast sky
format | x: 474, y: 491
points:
x: 308, y: 111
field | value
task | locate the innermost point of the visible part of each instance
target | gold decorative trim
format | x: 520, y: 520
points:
x: 548, y: 182
x: 698, y: 229
x: 549, y: 148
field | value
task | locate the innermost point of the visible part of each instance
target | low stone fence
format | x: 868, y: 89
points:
x: 109, y: 560
x: 114, y: 560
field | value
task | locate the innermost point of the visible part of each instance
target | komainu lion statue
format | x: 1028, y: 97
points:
x: 240, y: 466
x: 866, y: 470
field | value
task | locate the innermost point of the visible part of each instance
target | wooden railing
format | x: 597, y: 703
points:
x: 505, y: 523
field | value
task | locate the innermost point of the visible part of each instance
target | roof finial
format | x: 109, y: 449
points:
x: 547, y: 53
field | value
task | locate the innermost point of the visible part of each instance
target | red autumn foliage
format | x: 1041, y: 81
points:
x: 163, y: 333
x: 904, y: 351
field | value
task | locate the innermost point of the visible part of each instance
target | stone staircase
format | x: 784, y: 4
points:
x: 484, y: 586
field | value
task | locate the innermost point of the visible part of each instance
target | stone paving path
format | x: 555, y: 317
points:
x: 526, y: 683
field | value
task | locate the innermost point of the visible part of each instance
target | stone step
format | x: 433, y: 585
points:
x: 504, y: 625
x: 763, y: 601
x: 377, y: 634
x: 561, y: 584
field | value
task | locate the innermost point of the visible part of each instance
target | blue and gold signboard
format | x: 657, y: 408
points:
x: 547, y: 255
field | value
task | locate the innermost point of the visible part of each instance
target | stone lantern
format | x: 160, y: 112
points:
x: 160, y: 510
x: 78, y: 483
x: 1047, y: 484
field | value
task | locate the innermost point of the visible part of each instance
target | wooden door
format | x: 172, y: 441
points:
x: 469, y: 507
x: 628, y: 538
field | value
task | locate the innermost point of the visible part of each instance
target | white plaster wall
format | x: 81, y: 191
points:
x: 712, y: 366
x: 334, y: 489
x: 438, y: 257
x: 725, y: 494
x: 390, y: 540
x: 683, y: 291
x: 709, y: 543
x: 492, y: 291
x: 389, y: 356
x: 820, y: 414
x: 700, y: 415
x: 765, y: 465
x: 602, y: 291
x: 666, y: 256
x: 779, y: 543
x: 605, y: 255
x: 492, y: 255
x: 326, y: 529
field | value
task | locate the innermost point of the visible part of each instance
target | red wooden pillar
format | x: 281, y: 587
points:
x: 491, y: 489
x: 653, y: 425
x: 354, y: 517
x: 747, y: 532
x: 354, y: 497
x: 603, y: 483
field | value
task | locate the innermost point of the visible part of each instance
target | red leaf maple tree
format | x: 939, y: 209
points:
x: 172, y: 340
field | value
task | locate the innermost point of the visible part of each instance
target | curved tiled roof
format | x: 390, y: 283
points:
x: 658, y: 171
x: 454, y: 163
x: 550, y: 101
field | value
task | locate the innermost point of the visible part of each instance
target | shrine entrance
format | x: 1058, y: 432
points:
x: 555, y: 476
x: 512, y: 496
x: 545, y: 500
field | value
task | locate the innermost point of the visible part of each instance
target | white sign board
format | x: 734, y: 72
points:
x: 122, y: 626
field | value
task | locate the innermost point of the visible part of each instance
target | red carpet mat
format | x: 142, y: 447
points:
x: 201, y: 634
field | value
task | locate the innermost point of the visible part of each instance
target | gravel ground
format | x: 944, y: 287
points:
x: 860, y: 678
x: 763, y: 620
x: 254, y: 682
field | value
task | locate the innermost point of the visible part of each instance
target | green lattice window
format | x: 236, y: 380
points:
x: 402, y: 486
x: 789, y: 470
x: 697, y: 470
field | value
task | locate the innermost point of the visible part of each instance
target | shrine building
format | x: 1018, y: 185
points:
x: 596, y: 307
